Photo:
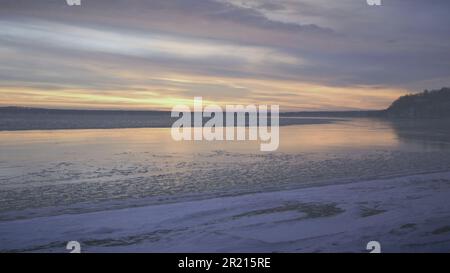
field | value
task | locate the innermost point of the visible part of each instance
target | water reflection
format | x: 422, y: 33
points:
x: 347, y: 134
x: 427, y: 133
x: 312, y: 135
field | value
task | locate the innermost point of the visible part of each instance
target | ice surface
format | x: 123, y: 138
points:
x: 138, y: 190
x: 409, y: 214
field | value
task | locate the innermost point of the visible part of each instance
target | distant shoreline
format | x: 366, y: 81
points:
x: 344, y: 113
x: 13, y: 118
x: 26, y: 119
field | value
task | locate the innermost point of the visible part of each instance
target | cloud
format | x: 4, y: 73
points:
x: 146, y: 45
x: 109, y: 47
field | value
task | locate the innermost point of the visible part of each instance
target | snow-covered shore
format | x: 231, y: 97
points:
x: 410, y: 214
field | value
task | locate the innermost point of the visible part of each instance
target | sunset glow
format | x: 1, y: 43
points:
x: 102, y: 55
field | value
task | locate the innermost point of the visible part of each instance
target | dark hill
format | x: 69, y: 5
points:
x: 428, y: 104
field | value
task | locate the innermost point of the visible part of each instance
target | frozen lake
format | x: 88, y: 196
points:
x: 62, y: 170
x: 45, y: 174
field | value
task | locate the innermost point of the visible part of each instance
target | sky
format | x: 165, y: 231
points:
x: 303, y: 55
